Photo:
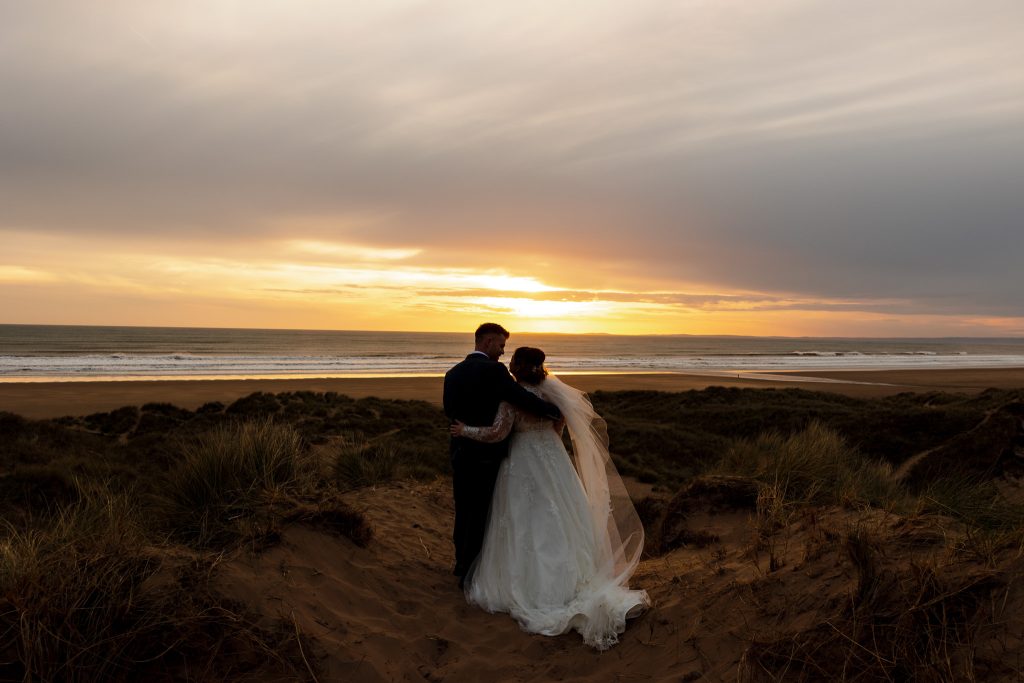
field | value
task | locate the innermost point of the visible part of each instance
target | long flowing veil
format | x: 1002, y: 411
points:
x: 620, y: 534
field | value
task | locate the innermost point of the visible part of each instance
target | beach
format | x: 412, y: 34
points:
x: 41, y: 400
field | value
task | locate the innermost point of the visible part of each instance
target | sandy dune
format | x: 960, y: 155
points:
x: 391, y: 612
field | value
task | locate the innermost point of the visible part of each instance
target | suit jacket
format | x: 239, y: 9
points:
x: 473, y: 389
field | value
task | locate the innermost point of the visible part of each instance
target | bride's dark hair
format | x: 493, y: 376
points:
x: 527, y: 365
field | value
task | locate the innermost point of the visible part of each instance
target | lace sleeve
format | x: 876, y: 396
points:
x: 498, y: 430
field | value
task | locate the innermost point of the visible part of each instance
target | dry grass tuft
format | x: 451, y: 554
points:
x: 213, y: 493
x: 84, y: 599
x: 916, y: 618
x: 916, y: 621
x: 814, y: 465
x: 362, y: 463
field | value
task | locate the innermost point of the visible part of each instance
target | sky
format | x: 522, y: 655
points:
x: 780, y: 167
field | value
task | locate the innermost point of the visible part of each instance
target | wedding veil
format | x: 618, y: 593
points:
x: 620, y: 534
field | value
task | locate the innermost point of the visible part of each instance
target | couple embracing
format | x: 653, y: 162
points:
x: 548, y: 537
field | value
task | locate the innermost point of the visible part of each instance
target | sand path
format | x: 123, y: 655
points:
x: 392, y: 612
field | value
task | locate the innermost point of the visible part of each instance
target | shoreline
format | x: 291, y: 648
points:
x: 41, y: 400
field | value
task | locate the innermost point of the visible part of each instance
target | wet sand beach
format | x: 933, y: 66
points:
x: 53, y: 399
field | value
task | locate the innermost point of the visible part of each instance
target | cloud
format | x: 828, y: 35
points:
x: 742, y: 302
x: 820, y: 156
x: 19, y: 274
x: 327, y: 250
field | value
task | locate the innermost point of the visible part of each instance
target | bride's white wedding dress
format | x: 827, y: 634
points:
x: 563, y: 537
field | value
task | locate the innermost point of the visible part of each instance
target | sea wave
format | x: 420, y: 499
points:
x: 116, y: 365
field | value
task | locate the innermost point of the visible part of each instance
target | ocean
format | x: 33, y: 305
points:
x: 55, y: 352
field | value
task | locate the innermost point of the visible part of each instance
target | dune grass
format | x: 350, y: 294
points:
x: 917, y: 621
x: 70, y: 594
x: 100, y: 511
x: 667, y: 439
x: 815, y: 466
x: 974, y: 501
x: 218, y: 482
x: 91, y: 588
x: 360, y: 463
x: 85, y: 597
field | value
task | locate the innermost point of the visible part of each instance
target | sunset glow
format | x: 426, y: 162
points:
x: 784, y: 168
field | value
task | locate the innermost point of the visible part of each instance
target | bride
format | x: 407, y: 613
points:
x: 563, y: 537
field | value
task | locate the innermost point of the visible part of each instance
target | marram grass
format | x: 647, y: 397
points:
x: 222, y: 474
x: 815, y: 465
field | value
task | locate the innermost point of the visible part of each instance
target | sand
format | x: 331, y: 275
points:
x: 53, y: 399
x: 392, y: 611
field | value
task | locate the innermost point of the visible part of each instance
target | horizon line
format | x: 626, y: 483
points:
x: 467, y: 332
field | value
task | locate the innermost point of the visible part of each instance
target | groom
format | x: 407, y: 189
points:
x: 472, y: 391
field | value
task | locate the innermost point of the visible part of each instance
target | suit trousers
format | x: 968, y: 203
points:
x: 473, y: 477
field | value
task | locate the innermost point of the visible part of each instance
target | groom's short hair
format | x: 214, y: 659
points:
x: 491, y: 328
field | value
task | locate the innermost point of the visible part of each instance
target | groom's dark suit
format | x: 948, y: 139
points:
x: 473, y: 389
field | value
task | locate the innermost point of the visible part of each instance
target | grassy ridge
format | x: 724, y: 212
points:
x: 663, y: 438
x: 936, y: 566
x: 114, y: 524
x: 114, y: 521
x: 85, y: 595
x: 668, y: 438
